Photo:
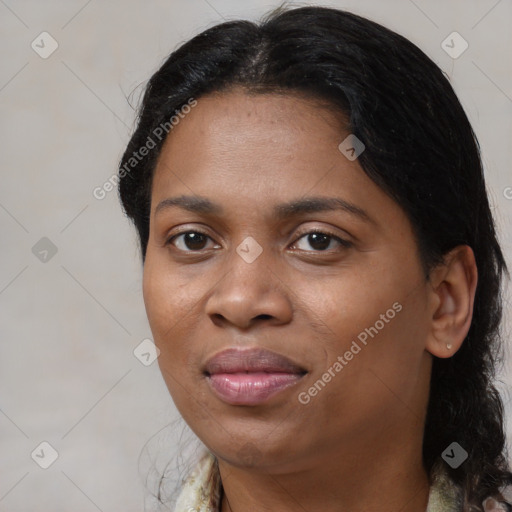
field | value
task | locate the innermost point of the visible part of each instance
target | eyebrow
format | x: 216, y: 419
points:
x: 202, y: 205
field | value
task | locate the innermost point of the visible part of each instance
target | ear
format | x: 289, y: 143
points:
x: 451, y: 298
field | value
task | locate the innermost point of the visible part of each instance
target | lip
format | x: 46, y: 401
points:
x: 250, y: 376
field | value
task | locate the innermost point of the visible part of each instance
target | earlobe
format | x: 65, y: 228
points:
x: 453, y: 285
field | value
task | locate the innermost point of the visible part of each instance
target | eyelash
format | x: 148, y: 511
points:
x: 344, y: 243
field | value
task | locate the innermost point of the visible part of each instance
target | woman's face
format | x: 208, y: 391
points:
x: 347, y: 306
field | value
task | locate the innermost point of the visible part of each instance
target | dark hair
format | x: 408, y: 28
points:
x: 420, y: 149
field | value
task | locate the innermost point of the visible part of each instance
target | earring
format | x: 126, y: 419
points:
x: 449, y: 346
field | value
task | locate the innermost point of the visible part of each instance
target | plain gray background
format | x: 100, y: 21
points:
x: 70, y: 321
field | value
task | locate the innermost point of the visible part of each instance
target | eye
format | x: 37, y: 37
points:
x: 190, y: 241
x: 193, y: 241
x: 321, y: 241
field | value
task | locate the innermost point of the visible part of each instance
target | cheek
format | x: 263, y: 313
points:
x: 355, y: 301
x: 168, y: 307
x: 383, y: 362
x: 378, y: 326
x: 168, y: 297
x: 174, y: 308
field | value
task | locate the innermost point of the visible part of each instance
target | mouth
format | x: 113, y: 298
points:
x: 250, y: 376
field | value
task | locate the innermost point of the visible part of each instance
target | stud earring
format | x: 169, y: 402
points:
x: 449, y: 346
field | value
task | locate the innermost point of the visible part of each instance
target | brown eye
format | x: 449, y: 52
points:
x: 321, y: 241
x: 189, y: 241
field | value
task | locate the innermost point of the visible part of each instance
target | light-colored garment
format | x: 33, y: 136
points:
x: 201, y: 491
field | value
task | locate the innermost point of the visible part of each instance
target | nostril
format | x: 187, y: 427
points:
x: 264, y: 316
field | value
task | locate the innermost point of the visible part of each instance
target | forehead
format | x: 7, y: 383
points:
x: 239, y: 105
x: 252, y: 138
x: 251, y: 152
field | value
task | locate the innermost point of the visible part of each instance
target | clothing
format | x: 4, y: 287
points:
x: 202, y: 490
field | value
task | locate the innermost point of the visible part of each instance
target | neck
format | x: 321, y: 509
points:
x: 386, y: 477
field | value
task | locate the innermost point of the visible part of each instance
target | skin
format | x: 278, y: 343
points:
x: 357, y: 444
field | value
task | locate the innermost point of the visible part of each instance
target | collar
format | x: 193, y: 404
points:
x: 202, y: 489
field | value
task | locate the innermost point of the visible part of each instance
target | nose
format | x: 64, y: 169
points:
x: 249, y: 293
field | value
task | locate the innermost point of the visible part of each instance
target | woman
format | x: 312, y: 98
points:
x: 321, y: 270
